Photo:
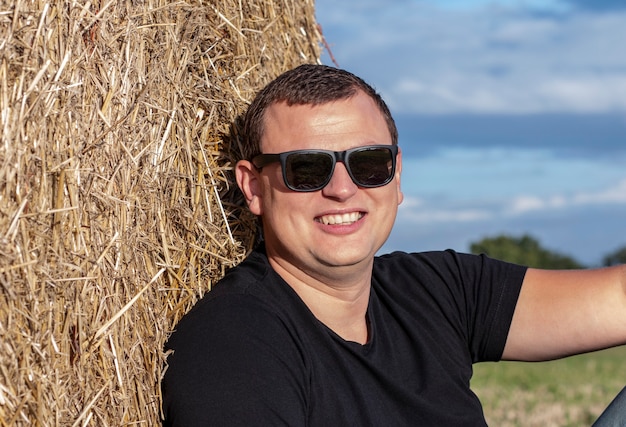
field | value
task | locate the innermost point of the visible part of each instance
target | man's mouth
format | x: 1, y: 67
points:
x: 340, y: 219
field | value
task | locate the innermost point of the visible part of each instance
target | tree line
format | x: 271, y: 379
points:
x: 527, y: 250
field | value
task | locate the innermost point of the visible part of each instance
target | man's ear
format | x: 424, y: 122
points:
x: 249, y: 183
x: 398, y: 175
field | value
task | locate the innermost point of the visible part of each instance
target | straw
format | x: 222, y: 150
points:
x: 117, y: 205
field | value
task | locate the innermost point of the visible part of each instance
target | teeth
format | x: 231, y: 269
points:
x: 347, y: 218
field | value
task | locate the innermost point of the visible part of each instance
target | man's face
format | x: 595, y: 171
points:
x: 341, y: 224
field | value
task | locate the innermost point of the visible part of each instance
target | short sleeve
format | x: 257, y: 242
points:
x: 463, y: 299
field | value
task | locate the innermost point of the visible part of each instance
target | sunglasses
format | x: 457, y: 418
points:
x: 311, y: 170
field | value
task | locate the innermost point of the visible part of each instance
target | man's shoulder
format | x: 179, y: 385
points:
x: 253, y: 269
x: 446, y: 270
x: 250, y: 293
x: 434, y: 260
x: 243, y: 285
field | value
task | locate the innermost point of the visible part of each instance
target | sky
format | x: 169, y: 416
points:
x: 511, y: 115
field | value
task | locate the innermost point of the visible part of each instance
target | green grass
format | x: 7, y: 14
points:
x: 568, y: 392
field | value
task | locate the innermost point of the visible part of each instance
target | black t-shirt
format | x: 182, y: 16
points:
x: 252, y: 353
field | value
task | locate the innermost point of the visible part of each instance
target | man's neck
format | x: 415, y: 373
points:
x: 339, y: 302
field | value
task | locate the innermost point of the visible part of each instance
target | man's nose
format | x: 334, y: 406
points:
x: 340, y: 185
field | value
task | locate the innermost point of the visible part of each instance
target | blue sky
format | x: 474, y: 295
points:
x: 512, y: 115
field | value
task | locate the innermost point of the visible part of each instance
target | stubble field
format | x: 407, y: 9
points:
x: 564, y: 393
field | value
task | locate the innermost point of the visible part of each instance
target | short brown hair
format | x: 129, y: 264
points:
x: 306, y: 85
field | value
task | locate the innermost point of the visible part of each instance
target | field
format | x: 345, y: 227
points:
x: 563, y: 393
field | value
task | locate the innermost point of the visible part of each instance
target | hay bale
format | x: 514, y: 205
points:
x: 115, y: 208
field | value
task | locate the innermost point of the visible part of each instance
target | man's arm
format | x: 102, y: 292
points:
x: 565, y: 312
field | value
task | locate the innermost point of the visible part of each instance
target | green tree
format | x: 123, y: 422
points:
x: 614, y: 258
x: 524, y: 250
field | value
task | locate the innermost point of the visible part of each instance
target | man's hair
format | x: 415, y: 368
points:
x: 306, y: 85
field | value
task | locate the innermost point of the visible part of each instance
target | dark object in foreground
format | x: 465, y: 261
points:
x: 615, y: 414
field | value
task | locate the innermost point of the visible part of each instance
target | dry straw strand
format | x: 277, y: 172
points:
x: 117, y: 208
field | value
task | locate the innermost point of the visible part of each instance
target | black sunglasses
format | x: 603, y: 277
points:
x: 310, y: 170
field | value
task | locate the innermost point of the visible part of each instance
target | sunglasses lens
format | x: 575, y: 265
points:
x: 371, y: 167
x: 308, y: 171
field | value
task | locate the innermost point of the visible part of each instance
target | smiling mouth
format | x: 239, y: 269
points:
x: 340, y: 219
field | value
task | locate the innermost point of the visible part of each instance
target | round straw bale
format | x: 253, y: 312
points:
x: 116, y: 208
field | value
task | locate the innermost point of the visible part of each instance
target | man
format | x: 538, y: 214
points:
x: 313, y: 330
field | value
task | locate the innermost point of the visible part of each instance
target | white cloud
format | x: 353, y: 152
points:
x: 416, y: 211
x: 584, y: 94
x: 514, y: 96
x: 613, y: 195
x: 523, y: 204
x: 423, y: 211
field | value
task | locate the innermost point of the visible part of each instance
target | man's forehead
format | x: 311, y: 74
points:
x: 349, y: 122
